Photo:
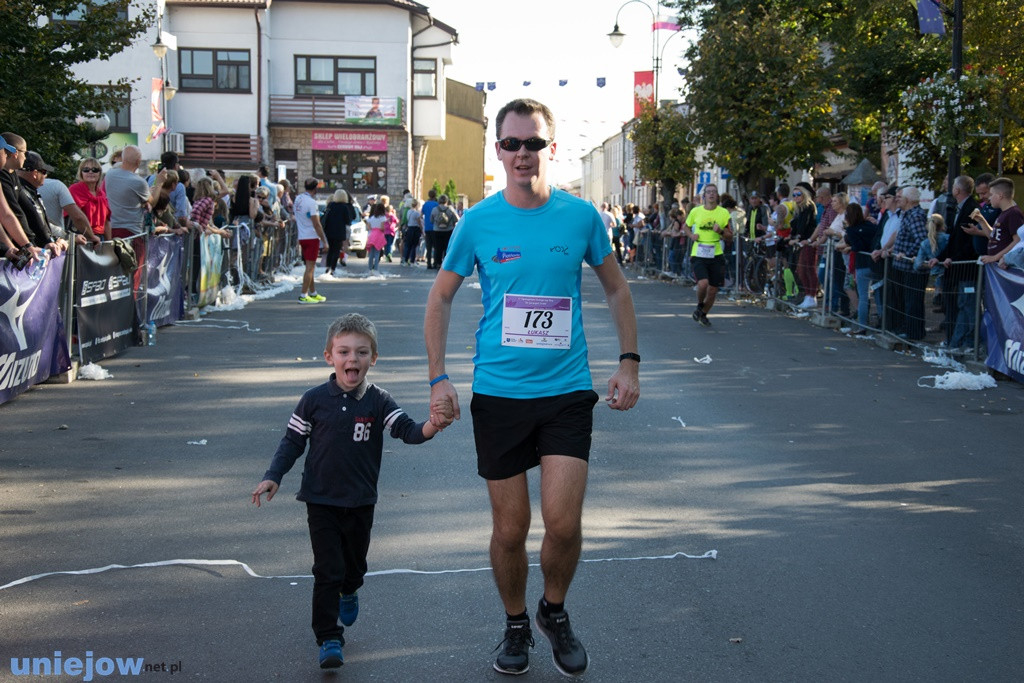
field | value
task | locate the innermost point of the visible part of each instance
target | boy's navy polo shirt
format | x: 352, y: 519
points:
x: 345, y: 430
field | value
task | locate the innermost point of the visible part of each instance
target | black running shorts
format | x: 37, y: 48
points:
x: 513, y: 433
x: 710, y: 269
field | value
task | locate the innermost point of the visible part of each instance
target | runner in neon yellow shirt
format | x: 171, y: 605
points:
x: 707, y: 225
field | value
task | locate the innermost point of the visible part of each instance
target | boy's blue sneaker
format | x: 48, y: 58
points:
x: 348, y: 609
x: 330, y: 654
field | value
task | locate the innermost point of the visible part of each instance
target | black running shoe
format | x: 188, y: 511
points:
x: 704, y: 320
x: 566, y: 650
x: 515, y: 648
x: 697, y: 313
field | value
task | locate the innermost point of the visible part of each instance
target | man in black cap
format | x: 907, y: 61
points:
x: 32, y: 173
x: 757, y: 216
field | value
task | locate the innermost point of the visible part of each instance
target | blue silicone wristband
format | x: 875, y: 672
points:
x: 439, y: 378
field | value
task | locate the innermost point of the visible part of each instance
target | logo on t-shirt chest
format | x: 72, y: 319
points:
x: 506, y: 254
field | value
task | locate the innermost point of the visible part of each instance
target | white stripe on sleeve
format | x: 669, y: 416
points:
x: 297, y: 424
x: 390, y: 419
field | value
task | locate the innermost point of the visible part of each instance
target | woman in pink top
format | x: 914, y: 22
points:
x: 90, y: 196
x: 375, y: 241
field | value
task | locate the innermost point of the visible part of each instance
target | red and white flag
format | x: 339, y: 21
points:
x: 665, y: 24
x: 158, y: 128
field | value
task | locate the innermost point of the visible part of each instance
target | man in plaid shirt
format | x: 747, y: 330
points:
x: 906, y: 300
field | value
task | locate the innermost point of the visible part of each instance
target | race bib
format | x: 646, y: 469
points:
x: 539, y: 322
x: 705, y: 250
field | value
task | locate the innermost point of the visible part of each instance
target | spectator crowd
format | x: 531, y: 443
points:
x: 819, y: 244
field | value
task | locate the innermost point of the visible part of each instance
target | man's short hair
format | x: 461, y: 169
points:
x: 311, y: 184
x: 965, y: 183
x: 984, y: 179
x: 525, y: 107
x: 263, y: 171
x: 353, y: 323
x: 914, y: 194
x: 432, y: 194
x: 1003, y: 186
x: 782, y: 190
x: 169, y: 160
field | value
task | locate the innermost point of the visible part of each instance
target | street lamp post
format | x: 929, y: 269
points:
x: 160, y: 50
x: 958, y: 70
x: 616, y: 37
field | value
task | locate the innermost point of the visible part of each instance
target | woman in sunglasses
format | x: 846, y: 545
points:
x: 805, y: 221
x: 91, y: 197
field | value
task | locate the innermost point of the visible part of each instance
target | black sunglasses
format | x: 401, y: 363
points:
x: 90, y: 170
x: 532, y: 144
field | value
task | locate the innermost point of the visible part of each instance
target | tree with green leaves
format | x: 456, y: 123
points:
x: 871, y: 53
x: 451, y: 191
x: 665, y: 149
x: 40, y: 96
x: 758, y: 94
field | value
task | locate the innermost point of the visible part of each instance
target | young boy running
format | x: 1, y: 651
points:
x: 344, y: 421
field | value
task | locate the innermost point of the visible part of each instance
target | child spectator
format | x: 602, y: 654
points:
x: 344, y: 421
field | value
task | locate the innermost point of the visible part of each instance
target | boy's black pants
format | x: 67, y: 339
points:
x: 340, y: 538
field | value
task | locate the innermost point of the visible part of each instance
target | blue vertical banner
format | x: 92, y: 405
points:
x: 929, y: 17
x: 32, y: 340
x: 165, y: 297
x: 1004, y: 320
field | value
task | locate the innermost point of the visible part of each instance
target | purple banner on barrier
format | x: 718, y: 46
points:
x: 165, y: 301
x: 1004, y: 320
x: 32, y: 345
x: 106, y: 309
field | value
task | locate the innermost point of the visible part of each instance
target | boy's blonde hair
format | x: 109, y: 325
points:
x: 353, y: 323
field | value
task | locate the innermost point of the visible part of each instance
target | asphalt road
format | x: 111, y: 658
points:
x: 866, y: 529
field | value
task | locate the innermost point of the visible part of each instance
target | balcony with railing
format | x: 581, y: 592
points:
x: 287, y: 110
x: 221, y: 149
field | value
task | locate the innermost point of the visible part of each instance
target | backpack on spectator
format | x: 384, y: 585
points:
x: 443, y: 219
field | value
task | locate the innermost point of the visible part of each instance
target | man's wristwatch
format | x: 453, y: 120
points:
x: 630, y: 356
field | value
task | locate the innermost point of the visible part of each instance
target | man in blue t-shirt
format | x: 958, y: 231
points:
x: 533, y: 397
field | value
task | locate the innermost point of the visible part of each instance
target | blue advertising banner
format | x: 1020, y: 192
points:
x: 32, y: 345
x: 106, y: 307
x: 165, y: 302
x: 1004, y: 320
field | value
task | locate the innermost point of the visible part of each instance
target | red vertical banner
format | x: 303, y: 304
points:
x: 643, y: 90
x: 157, y: 129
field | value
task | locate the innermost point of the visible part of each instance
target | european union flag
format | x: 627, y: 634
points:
x: 480, y: 86
x: 929, y: 17
x: 600, y: 82
x: 526, y: 83
x: 491, y: 85
x: 562, y: 82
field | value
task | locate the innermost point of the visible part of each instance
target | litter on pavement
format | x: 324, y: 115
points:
x: 959, y: 380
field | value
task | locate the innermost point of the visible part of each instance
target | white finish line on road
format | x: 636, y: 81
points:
x: 709, y: 555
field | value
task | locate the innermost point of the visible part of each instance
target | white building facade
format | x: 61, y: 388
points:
x: 349, y: 92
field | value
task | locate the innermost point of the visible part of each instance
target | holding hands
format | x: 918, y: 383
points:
x: 444, y: 404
